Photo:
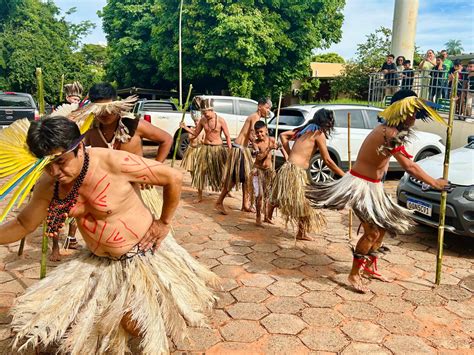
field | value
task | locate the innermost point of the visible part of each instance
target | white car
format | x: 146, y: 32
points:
x: 165, y: 115
x: 415, y: 195
x: 363, y: 119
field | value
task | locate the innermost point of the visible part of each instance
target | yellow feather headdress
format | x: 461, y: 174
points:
x: 399, y: 111
x: 18, y: 163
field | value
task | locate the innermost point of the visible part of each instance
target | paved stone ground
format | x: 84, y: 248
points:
x: 282, y: 297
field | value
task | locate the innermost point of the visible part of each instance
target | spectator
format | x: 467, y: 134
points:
x: 389, y: 69
x: 407, y: 76
x: 428, y: 62
x: 438, y: 81
x: 449, y: 65
x: 470, y: 86
x: 399, y: 63
x: 457, y: 66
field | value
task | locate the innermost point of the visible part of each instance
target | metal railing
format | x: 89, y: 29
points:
x: 433, y: 85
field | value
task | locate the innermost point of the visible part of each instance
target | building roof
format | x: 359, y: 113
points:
x: 326, y: 70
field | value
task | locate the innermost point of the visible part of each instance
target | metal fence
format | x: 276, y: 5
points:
x: 433, y: 85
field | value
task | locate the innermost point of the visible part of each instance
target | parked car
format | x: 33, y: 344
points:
x: 363, y: 119
x: 425, y: 202
x: 165, y: 115
x: 15, y: 106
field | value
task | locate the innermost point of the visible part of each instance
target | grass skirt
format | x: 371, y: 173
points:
x: 288, y: 193
x: 80, y: 304
x: 368, y: 200
x: 209, y: 168
x: 238, y: 167
x: 262, y: 182
x: 189, y: 158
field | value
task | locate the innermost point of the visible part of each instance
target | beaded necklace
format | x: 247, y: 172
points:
x: 59, y: 209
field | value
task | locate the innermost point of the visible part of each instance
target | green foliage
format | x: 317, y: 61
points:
x: 330, y: 57
x: 370, y: 56
x: 35, y: 35
x: 251, y: 47
x: 309, y: 88
x: 454, y: 47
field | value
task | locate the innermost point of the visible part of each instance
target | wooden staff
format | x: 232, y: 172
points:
x: 180, y: 129
x: 44, y: 252
x: 350, y: 166
x: 276, y: 128
x: 61, y: 88
x: 444, y: 193
x: 39, y: 82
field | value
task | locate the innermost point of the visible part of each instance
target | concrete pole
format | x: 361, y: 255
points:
x: 404, y: 28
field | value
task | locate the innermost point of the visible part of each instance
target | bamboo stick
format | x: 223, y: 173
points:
x: 276, y: 128
x: 44, y: 252
x: 61, y: 90
x: 350, y: 166
x: 180, y: 129
x: 39, y: 82
x: 444, y: 194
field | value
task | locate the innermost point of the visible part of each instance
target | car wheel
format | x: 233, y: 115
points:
x: 425, y: 154
x: 183, y: 145
x: 318, y: 171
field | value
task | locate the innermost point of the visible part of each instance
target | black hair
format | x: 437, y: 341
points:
x: 406, y: 61
x: 324, y: 119
x: 102, y: 91
x: 471, y: 61
x: 391, y: 55
x: 264, y: 100
x: 50, y: 134
x: 259, y: 124
x: 457, y: 62
x: 400, y: 56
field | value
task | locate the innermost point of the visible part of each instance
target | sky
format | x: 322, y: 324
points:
x: 438, y: 22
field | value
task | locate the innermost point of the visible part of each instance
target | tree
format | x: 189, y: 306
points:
x: 454, y: 46
x: 34, y: 34
x: 369, y: 58
x: 250, y: 47
x: 328, y: 58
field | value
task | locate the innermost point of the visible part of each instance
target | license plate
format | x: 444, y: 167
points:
x: 420, y: 206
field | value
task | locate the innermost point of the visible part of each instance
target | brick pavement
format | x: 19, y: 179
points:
x: 279, y: 297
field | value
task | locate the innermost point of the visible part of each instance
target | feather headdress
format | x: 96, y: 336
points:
x: 401, y: 110
x: 74, y: 89
x: 22, y: 166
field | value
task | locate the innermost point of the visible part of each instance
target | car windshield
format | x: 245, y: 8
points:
x: 14, y: 101
x: 289, y: 118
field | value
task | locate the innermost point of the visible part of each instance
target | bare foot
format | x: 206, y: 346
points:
x: 220, y: 208
x: 269, y: 221
x: 259, y: 223
x: 248, y: 209
x: 304, y: 236
x: 198, y: 200
x: 376, y: 276
x: 356, y: 282
x: 55, y: 255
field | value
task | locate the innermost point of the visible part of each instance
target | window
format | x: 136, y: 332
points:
x: 357, y: 120
x: 373, y: 120
x: 157, y: 106
x: 223, y: 106
x: 289, y: 118
x: 247, y: 108
x: 15, y: 101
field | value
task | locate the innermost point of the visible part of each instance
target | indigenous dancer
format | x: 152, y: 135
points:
x: 191, y: 153
x: 133, y: 280
x: 239, y: 164
x: 212, y: 155
x: 263, y: 174
x: 362, y: 188
x: 289, y: 188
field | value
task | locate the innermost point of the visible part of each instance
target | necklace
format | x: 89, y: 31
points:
x: 110, y: 144
x: 215, y: 126
x: 59, y: 209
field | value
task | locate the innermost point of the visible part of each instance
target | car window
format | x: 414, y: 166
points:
x: 373, y: 120
x: 289, y: 118
x: 223, y: 106
x: 15, y: 101
x: 246, y: 108
x: 158, y: 106
x: 357, y: 120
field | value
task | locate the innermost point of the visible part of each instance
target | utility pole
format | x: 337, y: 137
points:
x: 405, y: 16
x: 180, y: 55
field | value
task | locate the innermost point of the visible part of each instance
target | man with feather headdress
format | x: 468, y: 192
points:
x: 133, y: 279
x: 362, y: 188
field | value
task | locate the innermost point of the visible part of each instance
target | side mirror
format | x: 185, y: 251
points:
x: 470, y: 139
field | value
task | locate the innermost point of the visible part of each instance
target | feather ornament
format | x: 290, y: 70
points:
x: 401, y: 110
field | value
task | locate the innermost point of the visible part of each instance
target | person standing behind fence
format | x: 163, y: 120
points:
x: 449, y: 65
x: 462, y: 76
x: 438, y: 81
x: 470, y: 86
x: 399, y: 63
x: 389, y: 69
x: 407, y: 76
x: 426, y: 65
